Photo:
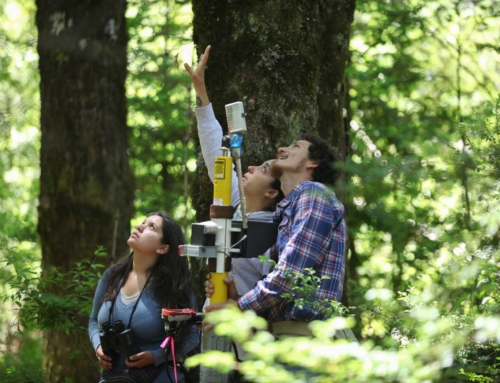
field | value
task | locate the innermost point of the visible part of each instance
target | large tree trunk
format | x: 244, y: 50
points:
x: 285, y: 60
x: 86, y: 191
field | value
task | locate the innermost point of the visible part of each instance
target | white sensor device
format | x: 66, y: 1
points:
x: 235, y: 115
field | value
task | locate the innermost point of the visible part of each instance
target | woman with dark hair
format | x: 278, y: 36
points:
x: 134, y: 291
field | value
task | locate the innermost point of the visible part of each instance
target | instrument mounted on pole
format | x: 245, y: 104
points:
x: 222, y: 237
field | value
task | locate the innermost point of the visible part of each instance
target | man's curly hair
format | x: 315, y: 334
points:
x: 321, y: 152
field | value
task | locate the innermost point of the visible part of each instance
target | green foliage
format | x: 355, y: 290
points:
x: 303, y: 286
x: 482, y: 135
x: 414, y: 193
x: 19, y: 172
x: 19, y: 115
x: 475, y: 377
x: 25, y: 364
x: 54, y: 300
x: 15, y: 371
x: 323, y: 359
x: 449, y: 312
x: 445, y: 332
x: 159, y: 100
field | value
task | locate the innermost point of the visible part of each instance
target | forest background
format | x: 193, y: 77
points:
x: 422, y: 191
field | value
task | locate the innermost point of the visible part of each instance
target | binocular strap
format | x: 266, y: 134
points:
x: 135, y: 304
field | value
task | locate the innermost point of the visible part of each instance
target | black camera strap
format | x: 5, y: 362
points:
x: 135, y: 304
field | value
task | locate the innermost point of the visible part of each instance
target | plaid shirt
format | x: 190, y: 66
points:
x: 311, y: 235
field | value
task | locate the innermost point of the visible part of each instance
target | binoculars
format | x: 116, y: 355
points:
x: 115, y: 335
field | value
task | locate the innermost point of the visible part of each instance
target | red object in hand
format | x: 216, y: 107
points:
x: 174, y: 312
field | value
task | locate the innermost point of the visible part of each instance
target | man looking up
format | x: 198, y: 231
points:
x: 311, y: 234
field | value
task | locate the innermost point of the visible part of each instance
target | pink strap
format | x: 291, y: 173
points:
x: 165, y: 344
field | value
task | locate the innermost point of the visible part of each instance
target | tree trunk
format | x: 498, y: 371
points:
x: 285, y: 60
x: 86, y: 190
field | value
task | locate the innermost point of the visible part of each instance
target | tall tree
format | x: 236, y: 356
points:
x: 285, y: 60
x: 86, y: 189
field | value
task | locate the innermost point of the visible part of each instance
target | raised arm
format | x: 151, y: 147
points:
x: 198, y: 79
x: 209, y: 129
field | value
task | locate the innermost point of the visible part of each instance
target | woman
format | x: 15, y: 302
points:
x: 134, y: 291
x: 262, y: 192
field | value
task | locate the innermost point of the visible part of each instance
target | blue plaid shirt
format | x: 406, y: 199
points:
x: 311, y: 235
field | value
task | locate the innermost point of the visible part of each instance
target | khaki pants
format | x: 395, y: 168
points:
x: 292, y: 329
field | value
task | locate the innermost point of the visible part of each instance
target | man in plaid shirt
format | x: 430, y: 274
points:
x: 311, y: 232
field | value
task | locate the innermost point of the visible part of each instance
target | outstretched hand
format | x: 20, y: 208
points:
x: 198, y: 76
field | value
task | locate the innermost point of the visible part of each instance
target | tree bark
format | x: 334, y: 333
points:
x: 86, y: 189
x: 285, y: 61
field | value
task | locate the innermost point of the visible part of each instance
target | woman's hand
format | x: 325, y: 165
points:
x: 140, y: 360
x: 198, y: 78
x: 104, y: 360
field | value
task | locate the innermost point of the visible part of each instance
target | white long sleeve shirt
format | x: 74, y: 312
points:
x: 245, y: 271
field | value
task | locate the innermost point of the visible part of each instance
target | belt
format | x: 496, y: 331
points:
x: 296, y: 329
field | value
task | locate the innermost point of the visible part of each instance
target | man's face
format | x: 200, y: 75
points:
x: 293, y: 158
x: 258, y: 179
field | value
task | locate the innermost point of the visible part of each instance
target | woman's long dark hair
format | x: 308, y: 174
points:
x: 171, y: 282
